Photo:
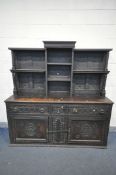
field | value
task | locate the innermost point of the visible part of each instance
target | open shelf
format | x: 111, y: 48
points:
x: 87, y: 84
x: 90, y: 60
x: 57, y: 72
x: 30, y: 84
x: 58, y: 89
x: 59, y: 56
x: 29, y: 59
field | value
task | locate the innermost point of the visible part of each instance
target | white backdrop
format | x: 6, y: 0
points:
x: 26, y: 23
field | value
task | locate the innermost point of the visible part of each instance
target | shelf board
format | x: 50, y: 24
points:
x: 65, y: 64
x: 93, y: 49
x: 27, y: 70
x: 26, y: 49
x: 59, y: 78
x: 87, y: 71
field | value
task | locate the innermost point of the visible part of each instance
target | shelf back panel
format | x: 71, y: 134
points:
x: 29, y: 59
x: 59, y: 55
x: 89, y: 60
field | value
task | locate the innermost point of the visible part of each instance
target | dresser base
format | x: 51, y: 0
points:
x: 54, y: 122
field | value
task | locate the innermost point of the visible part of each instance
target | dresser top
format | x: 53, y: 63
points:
x: 104, y: 100
x: 43, y: 49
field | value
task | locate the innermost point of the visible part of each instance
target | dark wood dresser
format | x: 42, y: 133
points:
x: 59, y: 96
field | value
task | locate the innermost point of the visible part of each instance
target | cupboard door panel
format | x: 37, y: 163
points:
x: 30, y: 130
x: 88, y: 132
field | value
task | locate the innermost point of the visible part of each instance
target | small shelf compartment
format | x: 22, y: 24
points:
x: 87, y: 84
x: 59, y: 73
x: 31, y: 84
x: 26, y: 59
x: 59, y: 56
x: 90, y: 60
x: 58, y: 89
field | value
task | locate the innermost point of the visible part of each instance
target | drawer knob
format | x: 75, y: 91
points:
x: 41, y: 109
x: 75, y: 110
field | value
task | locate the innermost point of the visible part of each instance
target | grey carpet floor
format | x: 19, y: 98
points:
x: 56, y: 161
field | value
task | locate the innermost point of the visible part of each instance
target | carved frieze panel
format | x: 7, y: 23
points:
x: 28, y: 108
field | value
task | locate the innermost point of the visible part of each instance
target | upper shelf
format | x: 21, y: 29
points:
x: 65, y: 64
x: 92, y: 71
x: 27, y: 70
x: 93, y: 49
x: 26, y: 49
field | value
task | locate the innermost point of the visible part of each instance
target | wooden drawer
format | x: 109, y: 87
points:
x: 28, y: 108
x: 90, y: 109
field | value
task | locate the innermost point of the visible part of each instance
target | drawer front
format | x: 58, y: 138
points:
x: 59, y: 109
x: 28, y: 108
x: 90, y: 109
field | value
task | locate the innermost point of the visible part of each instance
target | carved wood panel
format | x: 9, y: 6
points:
x: 59, y: 131
x: 85, y: 130
x: 31, y: 129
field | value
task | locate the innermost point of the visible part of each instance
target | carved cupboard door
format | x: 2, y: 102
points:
x: 85, y: 131
x: 30, y: 130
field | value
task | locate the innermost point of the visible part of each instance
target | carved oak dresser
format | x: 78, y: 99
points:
x: 59, y: 96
